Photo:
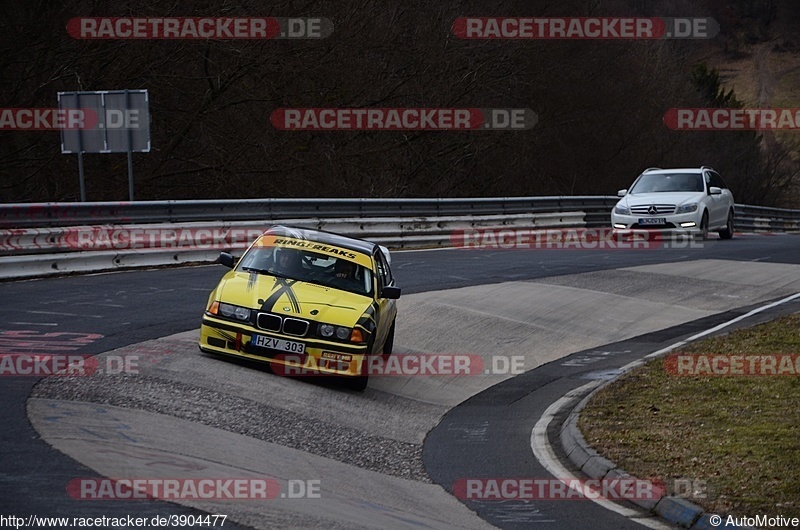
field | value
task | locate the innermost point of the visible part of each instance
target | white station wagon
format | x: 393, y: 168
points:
x: 694, y: 201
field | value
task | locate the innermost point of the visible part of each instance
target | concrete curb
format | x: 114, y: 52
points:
x: 675, y: 510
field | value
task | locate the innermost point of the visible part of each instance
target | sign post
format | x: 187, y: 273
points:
x: 123, y: 126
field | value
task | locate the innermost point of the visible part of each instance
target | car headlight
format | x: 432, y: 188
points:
x: 621, y: 210
x: 687, y: 208
x: 329, y: 331
x: 234, y: 311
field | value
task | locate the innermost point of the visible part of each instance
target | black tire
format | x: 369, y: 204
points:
x: 703, y: 227
x: 358, y: 383
x: 727, y: 232
x: 388, y: 345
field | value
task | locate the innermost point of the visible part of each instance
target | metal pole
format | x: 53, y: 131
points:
x: 130, y: 155
x: 80, y: 176
x: 80, y: 154
x: 130, y: 174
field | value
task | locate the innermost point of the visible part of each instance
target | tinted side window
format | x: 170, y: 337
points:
x: 717, y: 181
x: 389, y: 277
x: 384, y: 274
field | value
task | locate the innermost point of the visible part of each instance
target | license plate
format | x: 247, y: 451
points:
x: 653, y: 221
x: 278, y: 344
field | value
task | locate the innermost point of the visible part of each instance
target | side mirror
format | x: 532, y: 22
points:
x: 391, y: 292
x: 226, y: 259
x: 622, y: 193
x: 713, y: 190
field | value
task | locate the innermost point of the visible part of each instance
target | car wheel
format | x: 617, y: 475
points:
x: 727, y: 232
x: 356, y: 383
x: 389, y: 344
x: 704, y: 227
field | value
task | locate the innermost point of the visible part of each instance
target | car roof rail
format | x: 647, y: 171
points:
x: 652, y: 169
x: 707, y: 167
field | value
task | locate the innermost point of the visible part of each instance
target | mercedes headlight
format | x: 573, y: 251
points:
x: 621, y: 209
x: 687, y: 208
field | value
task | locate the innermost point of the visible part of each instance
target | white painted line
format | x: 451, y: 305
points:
x: 98, y: 304
x: 34, y: 323
x: 424, y: 249
x: 63, y: 314
x: 540, y: 444
x: 545, y: 455
x: 722, y: 326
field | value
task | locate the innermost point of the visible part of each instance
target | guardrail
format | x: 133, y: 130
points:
x: 36, y: 215
x: 759, y: 218
x: 43, y: 239
x: 398, y: 232
x: 45, y: 251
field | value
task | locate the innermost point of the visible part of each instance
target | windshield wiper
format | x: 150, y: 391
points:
x: 253, y: 269
x: 265, y: 271
x: 315, y: 282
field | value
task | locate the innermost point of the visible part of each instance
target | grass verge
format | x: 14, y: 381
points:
x: 739, y: 434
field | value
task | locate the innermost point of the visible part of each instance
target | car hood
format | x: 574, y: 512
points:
x: 678, y: 198
x: 292, y: 298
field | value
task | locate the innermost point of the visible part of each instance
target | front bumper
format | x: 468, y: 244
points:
x: 320, y: 357
x: 685, y: 223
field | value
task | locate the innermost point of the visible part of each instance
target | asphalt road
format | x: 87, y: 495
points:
x: 97, y: 313
x: 489, y: 435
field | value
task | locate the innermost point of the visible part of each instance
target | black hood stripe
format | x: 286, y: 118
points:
x: 285, y: 287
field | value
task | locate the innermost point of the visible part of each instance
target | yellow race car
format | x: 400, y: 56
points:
x: 307, y: 302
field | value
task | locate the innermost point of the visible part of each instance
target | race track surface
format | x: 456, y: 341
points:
x: 387, y: 457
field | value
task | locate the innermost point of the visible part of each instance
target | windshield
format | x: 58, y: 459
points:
x: 668, y: 182
x: 308, y: 266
